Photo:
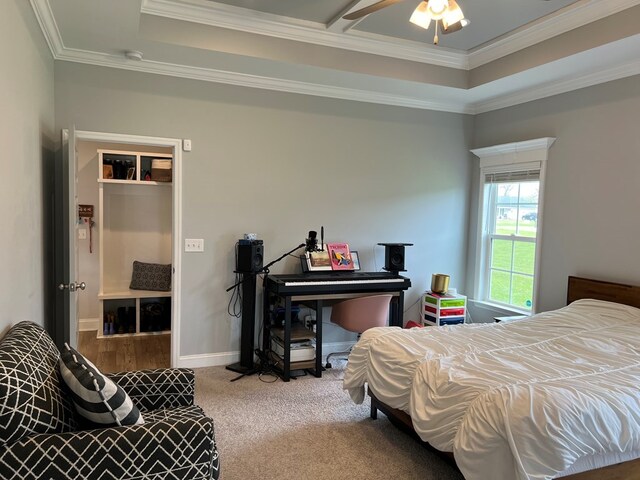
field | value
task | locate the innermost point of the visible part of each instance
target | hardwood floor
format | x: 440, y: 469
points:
x: 118, y: 354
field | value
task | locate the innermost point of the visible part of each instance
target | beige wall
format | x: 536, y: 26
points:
x: 591, y: 223
x: 281, y: 165
x: 27, y: 138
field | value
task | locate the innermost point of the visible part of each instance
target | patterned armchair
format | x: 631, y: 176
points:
x: 41, y: 437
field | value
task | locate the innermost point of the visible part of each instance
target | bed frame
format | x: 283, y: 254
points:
x: 577, y: 288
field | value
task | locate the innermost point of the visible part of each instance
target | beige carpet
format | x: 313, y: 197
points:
x: 307, y: 429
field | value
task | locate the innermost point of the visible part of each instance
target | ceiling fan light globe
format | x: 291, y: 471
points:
x: 437, y: 8
x: 452, y: 15
x: 420, y: 16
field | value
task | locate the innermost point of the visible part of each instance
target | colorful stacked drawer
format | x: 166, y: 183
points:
x: 444, y: 309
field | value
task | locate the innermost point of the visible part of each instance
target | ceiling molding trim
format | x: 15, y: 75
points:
x: 255, y: 81
x: 569, y: 18
x: 48, y: 25
x: 52, y: 35
x: 555, y: 88
x: 236, y: 18
x: 513, y: 149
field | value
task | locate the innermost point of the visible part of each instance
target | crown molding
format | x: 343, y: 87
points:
x: 558, y: 87
x: 256, y: 81
x: 246, y: 20
x: 568, y: 18
x: 48, y: 25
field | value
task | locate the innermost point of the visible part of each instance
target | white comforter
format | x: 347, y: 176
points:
x: 518, y: 400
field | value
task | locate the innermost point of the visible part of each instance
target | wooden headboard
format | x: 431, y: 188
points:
x: 612, y: 292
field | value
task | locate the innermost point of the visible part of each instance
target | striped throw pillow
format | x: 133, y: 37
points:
x: 97, y: 398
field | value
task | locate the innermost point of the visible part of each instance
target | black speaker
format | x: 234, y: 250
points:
x: 394, y: 256
x: 250, y: 257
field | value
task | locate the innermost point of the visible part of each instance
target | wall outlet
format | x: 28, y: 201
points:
x: 194, y: 245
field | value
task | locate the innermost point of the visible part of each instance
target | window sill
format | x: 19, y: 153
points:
x: 500, y: 308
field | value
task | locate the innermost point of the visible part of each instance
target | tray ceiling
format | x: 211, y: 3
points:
x: 513, y: 50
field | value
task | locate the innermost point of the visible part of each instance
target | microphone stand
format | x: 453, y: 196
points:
x: 246, y: 365
x: 265, y: 269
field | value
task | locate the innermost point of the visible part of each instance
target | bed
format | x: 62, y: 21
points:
x: 550, y: 396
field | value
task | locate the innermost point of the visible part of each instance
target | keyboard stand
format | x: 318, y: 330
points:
x: 291, y: 289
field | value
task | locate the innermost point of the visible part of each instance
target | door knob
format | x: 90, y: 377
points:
x: 73, y: 286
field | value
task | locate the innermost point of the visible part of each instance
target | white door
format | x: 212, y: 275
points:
x: 69, y: 284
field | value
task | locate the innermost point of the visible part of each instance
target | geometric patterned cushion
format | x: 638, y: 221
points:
x: 159, y: 388
x: 169, y: 449
x: 96, y: 397
x: 178, y: 413
x: 31, y: 397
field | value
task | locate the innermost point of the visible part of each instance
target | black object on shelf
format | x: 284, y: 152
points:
x: 155, y: 315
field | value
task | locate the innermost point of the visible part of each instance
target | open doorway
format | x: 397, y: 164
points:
x: 126, y: 239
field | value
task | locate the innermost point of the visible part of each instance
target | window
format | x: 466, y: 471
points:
x: 512, y: 210
x: 509, y: 224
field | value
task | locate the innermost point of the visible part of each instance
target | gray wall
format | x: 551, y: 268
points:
x: 280, y: 165
x: 27, y: 135
x: 591, y: 223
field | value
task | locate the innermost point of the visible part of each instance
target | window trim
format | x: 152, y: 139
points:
x: 529, y: 154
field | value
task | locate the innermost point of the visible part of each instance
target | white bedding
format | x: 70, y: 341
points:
x: 517, y: 400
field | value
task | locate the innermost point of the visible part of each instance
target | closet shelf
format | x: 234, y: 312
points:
x: 133, y: 182
x: 123, y: 294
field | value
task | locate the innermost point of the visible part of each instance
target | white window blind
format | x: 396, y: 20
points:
x: 512, y: 177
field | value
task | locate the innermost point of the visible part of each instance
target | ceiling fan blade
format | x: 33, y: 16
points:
x: 370, y: 9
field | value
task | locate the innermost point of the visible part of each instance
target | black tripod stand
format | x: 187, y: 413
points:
x: 246, y: 366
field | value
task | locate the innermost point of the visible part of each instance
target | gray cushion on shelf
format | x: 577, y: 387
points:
x: 151, y: 276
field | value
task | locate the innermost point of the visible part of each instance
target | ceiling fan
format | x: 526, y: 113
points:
x: 446, y: 13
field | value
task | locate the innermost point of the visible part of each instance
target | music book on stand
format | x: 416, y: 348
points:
x: 340, y: 256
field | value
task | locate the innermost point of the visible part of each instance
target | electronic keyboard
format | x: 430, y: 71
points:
x: 336, y: 283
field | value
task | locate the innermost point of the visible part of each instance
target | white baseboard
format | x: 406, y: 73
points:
x: 208, y: 360
x: 88, y: 324
x: 227, y: 358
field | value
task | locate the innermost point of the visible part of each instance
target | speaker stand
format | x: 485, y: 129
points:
x: 246, y: 365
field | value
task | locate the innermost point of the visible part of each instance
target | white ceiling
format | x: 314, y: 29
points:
x: 513, y: 51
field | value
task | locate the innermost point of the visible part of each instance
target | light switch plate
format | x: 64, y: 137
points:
x: 186, y: 144
x: 82, y: 234
x: 194, y: 245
